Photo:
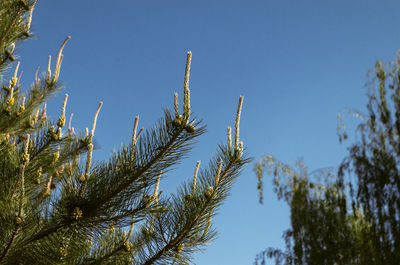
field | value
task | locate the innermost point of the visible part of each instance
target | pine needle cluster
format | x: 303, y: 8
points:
x: 58, y: 206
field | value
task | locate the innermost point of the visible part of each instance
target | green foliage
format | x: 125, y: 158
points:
x: 59, y: 207
x: 14, y: 26
x: 350, y: 216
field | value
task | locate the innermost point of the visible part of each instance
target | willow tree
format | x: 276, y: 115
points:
x: 352, y: 215
x: 58, y: 206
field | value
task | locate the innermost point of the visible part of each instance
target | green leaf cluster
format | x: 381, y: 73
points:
x: 352, y: 215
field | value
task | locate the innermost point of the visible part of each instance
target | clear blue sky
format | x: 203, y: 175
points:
x: 297, y: 64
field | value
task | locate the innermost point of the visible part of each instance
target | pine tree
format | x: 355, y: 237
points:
x: 351, y: 216
x: 58, y: 206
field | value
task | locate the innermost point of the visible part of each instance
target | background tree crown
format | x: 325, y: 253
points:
x: 350, y: 216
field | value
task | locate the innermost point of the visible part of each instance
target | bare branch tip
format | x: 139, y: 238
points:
x: 195, y: 176
x: 229, y: 139
x: 238, y: 113
x: 65, y: 41
x: 95, y: 119
x: 27, y: 143
x: 134, y: 135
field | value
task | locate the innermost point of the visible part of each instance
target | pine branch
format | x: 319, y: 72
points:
x: 108, y: 255
x: 174, y: 242
x: 17, y: 15
x: 61, y: 202
x: 8, y: 247
x: 90, y: 210
x: 20, y: 217
x: 162, y: 151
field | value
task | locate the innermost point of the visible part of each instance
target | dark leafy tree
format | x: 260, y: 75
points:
x: 351, y: 216
x: 60, y: 207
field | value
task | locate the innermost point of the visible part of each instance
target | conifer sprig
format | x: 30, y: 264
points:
x: 185, y: 227
x: 15, y: 23
x: 60, y: 206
